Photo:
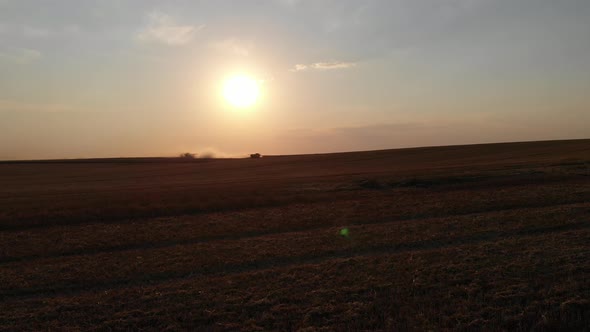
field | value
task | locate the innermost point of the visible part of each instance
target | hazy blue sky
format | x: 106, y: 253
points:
x: 136, y: 78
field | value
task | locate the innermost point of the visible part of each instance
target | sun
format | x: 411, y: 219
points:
x: 241, y: 91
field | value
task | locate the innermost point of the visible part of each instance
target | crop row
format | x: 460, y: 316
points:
x: 368, y: 208
x: 109, y: 269
x: 517, y: 283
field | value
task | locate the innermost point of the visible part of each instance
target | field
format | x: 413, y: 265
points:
x: 478, y: 237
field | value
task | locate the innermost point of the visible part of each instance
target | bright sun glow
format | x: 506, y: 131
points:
x: 241, y: 91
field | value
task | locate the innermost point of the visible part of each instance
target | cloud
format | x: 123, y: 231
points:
x: 356, y: 138
x: 233, y: 46
x: 16, y: 106
x: 21, y: 56
x: 331, y: 65
x: 299, y: 67
x: 289, y: 2
x: 35, y: 32
x: 163, y: 29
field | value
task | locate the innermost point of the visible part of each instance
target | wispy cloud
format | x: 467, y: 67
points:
x: 20, y: 56
x: 330, y: 65
x: 233, y: 46
x: 35, y: 32
x: 289, y: 2
x: 162, y: 28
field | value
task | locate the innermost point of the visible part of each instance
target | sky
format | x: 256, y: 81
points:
x: 82, y: 79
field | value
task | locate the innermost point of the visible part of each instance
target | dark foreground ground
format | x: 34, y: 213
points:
x: 493, y: 237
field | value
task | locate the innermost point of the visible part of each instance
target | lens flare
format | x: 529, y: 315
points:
x: 345, y: 232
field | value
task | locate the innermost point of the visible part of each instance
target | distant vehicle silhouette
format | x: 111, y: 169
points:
x: 255, y: 155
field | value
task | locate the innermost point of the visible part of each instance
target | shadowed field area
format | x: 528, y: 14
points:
x: 493, y: 237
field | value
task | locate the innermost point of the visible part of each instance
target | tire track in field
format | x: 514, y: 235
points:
x: 10, y: 225
x: 282, y: 262
x: 247, y: 235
